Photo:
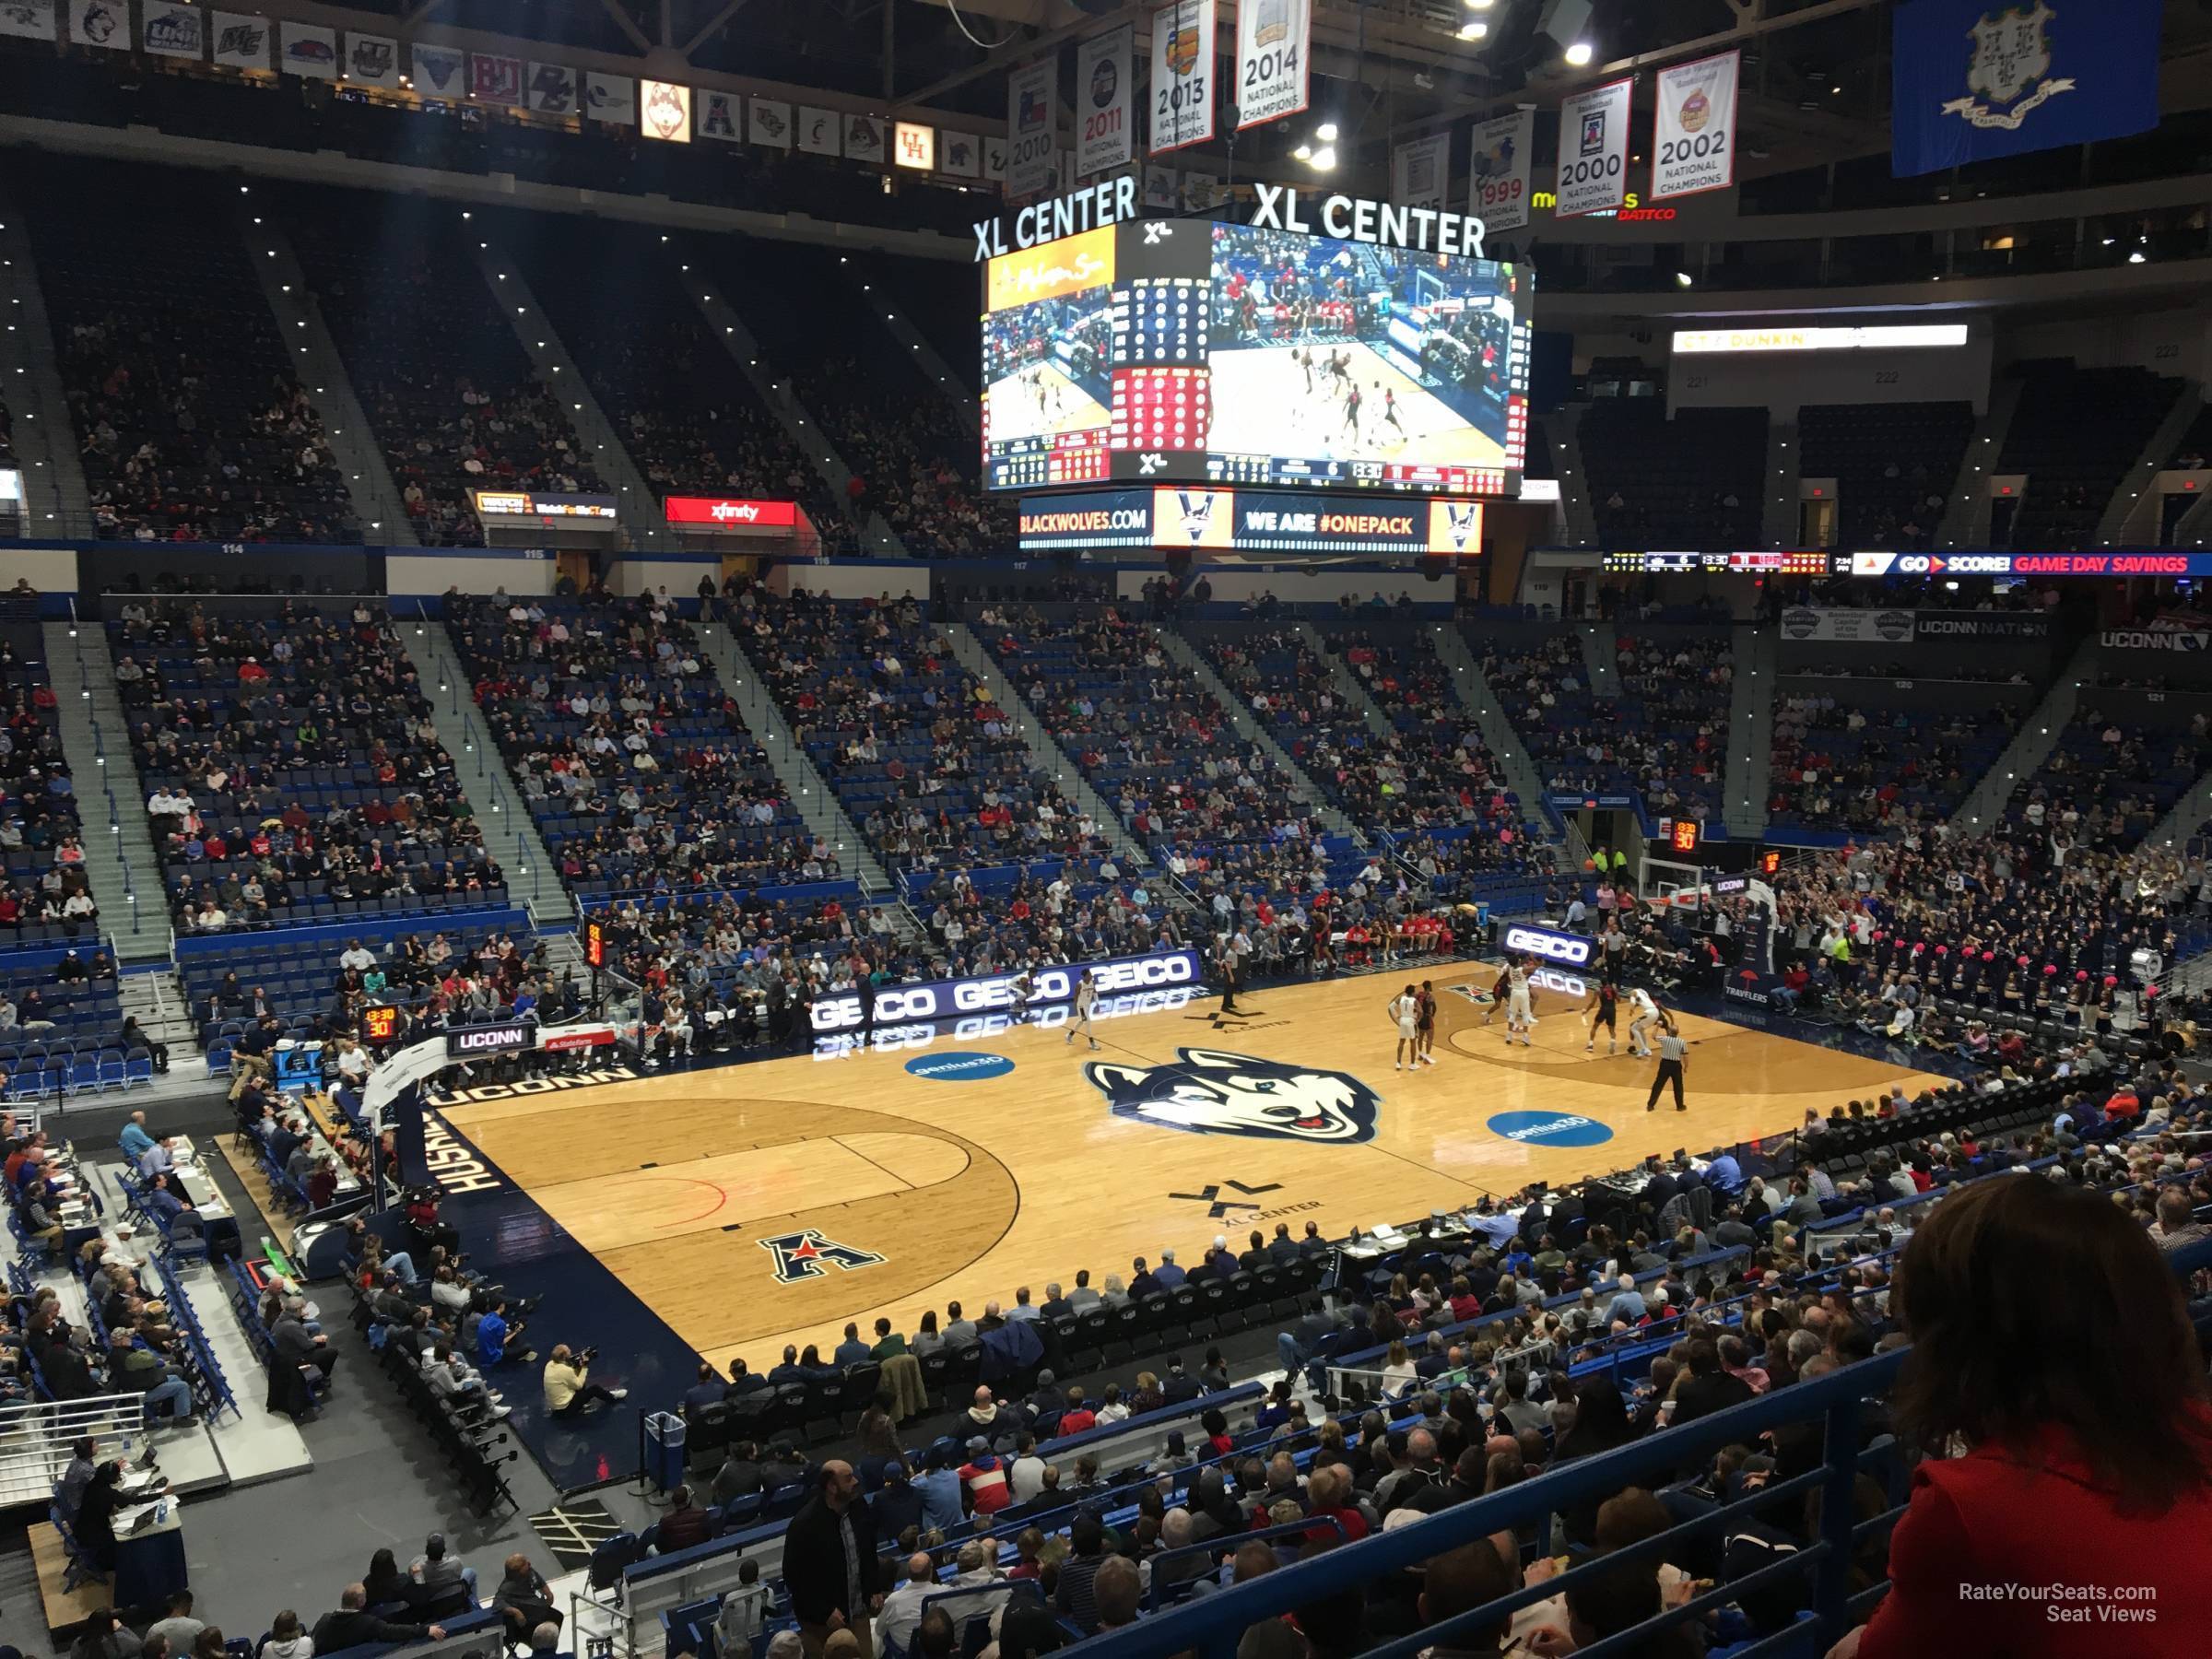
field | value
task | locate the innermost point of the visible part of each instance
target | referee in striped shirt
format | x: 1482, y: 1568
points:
x: 1673, y: 1051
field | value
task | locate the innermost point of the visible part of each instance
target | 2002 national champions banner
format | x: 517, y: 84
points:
x: 1970, y: 79
x: 1693, y: 126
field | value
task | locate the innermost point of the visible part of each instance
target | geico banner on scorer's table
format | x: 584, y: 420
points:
x: 1693, y: 126
x: 1501, y: 189
x: 1032, y: 120
x: 1183, y: 75
x: 1593, y: 150
x: 524, y: 503
x: 1274, y: 39
x: 1105, y: 102
x: 1248, y: 520
x: 945, y: 999
x: 1521, y: 939
x: 1974, y: 79
x: 731, y: 513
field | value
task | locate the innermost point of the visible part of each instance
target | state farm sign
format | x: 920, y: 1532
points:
x: 728, y: 512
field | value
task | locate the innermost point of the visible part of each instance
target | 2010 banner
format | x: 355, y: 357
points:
x: 1105, y: 101
x: 1593, y: 150
x: 1499, y: 190
x: 1274, y: 43
x: 1032, y: 119
x: 1693, y: 127
x: 1183, y: 75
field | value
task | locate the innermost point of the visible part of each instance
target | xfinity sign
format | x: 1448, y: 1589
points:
x: 1570, y: 948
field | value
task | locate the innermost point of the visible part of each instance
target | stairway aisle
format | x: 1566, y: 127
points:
x: 1302, y: 789
x: 1982, y: 811
x: 1473, y: 689
x: 509, y: 834
x: 119, y: 843
x: 1750, y: 758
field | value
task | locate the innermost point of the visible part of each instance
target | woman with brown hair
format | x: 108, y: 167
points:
x: 2052, y: 1353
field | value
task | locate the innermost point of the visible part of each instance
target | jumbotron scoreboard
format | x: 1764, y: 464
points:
x: 1163, y: 351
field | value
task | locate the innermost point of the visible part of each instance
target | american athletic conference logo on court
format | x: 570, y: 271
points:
x: 804, y: 1256
x: 1208, y: 1092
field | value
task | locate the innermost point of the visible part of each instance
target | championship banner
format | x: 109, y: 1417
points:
x: 27, y: 19
x: 1420, y: 172
x: 1032, y: 119
x: 241, y: 43
x: 1974, y: 79
x: 770, y: 122
x: 819, y: 131
x: 1593, y: 150
x: 664, y: 110
x: 495, y: 80
x: 1693, y: 128
x: 864, y: 138
x: 102, y: 23
x: 1183, y: 75
x: 1274, y: 41
x: 372, y: 60
x: 437, y: 71
x: 170, y: 31
x: 718, y: 116
x: 1499, y: 192
x: 307, y: 51
x: 610, y: 98
x: 552, y: 90
x: 1106, y: 99
x: 961, y: 155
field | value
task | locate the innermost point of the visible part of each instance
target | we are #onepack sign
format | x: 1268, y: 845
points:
x: 1277, y: 208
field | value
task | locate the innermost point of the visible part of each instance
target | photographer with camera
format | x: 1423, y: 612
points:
x: 568, y: 1390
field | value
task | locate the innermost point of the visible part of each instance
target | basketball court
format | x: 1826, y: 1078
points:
x: 1016, y: 410
x: 1261, y: 406
x: 750, y: 1206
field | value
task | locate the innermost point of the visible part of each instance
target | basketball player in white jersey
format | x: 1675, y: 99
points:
x: 1022, y: 988
x: 1087, y: 998
x: 1406, y: 1009
x: 1520, y: 1016
x: 1643, y: 1015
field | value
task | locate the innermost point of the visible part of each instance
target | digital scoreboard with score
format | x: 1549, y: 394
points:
x: 1683, y: 836
x: 594, y: 944
x: 1774, y: 561
x: 380, y: 1024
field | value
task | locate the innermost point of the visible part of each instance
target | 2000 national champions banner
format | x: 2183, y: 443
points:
x: 1593, y: 150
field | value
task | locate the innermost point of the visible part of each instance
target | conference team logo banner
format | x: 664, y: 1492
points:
x: 959, y: 155
x: 1501, y: 190
x: 372, y: 60
x: 1106, y: 100
x: 1693, y: 128
x: 1274, y: 43
x: 308, y: 51
x: 864, y: 138
x: 1032, y: 119
x: 495, y: 80
x: 718, y: 114
x: 1420, y: 172
x: 1183, y: 75
x: 27, y: 19
x: 819, y: 131
x: 1971, y: 81
x: 664, y: 110
x: 102, y: 23
x: 1593, y: 150
x: 770, y: 122
x: 176, y: 31
x: 437, y: 71
x: 610, y: 98
x: 241, y: 42
x: 552, y: 90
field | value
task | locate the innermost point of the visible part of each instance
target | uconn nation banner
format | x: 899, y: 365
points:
x: 1972, y: 80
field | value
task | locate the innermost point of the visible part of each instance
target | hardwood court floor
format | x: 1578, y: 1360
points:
x: 966, y: 1185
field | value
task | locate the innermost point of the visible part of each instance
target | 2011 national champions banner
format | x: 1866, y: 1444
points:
x: 1972, y: 80
x: 1832, y: 626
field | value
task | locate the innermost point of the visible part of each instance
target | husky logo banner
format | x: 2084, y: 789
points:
x: 1207, y: 1091
x: 1971, y: 81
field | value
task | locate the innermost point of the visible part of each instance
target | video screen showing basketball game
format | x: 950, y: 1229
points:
x: 1349, y: 355
x: 1048, y: 333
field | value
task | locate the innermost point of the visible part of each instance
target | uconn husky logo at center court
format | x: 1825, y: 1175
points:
x: 1210, y: 1092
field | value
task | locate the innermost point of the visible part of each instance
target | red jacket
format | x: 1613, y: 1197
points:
x: 1997, y: 1517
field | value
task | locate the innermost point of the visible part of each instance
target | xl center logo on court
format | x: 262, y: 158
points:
x: 1209, y: 1091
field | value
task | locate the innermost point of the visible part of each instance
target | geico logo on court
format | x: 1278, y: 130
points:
x: 1560, y: 948
x: 1551, y: 979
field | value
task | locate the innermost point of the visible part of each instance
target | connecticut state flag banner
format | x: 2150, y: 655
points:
x: 1972, y: 80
